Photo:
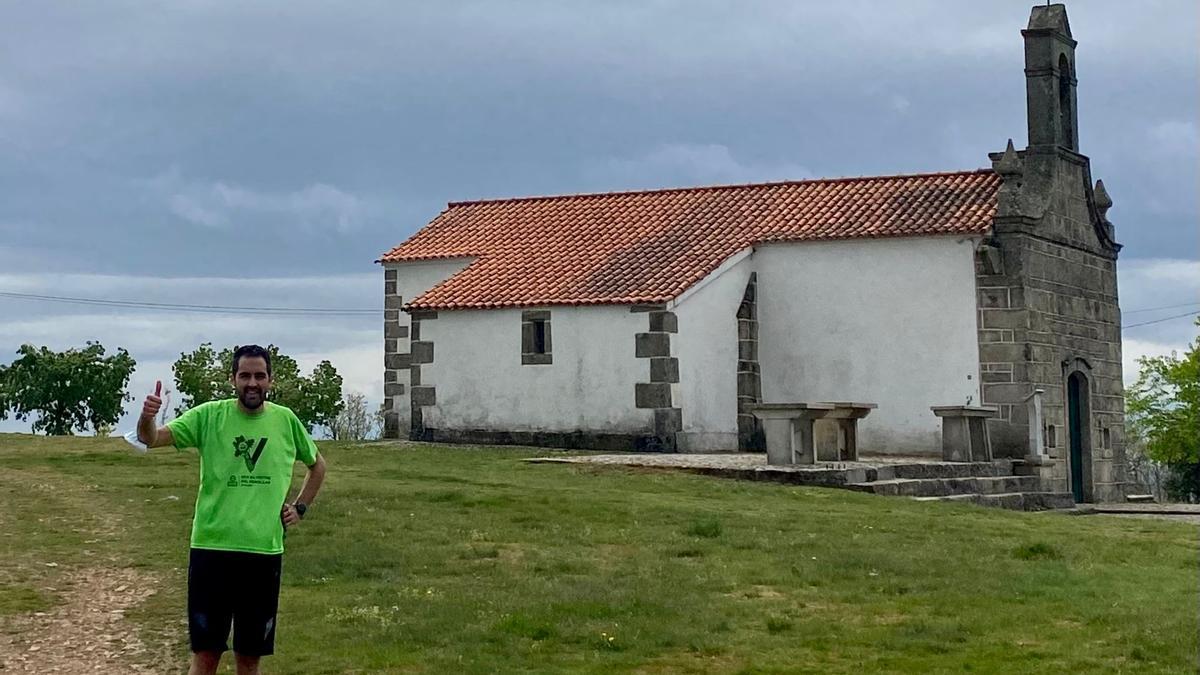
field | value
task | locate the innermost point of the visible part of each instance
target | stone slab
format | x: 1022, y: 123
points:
x: 964, y: 411
x: 753, y: 466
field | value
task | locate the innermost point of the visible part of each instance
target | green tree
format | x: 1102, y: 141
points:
x: 5, y: 403
x: 70, y: 391
x: 354, y: 422
x: 204, y: 375
x: 321, y: 395
x: 1164, y: 409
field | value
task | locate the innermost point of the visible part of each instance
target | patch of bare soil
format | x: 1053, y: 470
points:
x: 87, y: 632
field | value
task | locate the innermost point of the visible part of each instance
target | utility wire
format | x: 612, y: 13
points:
x: 181, y: 307
x: 348, y: 312
x: 1166, y: 318
x: 1153, y: 309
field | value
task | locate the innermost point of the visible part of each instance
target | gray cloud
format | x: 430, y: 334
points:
x: 215, y: 140
x: 156, y: 338
x: 675, y: 164
x: 352, y: 125
x: 219, y: 204
x: 1153, y: 290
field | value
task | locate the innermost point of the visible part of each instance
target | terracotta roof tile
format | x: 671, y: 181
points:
x: 649, y: 247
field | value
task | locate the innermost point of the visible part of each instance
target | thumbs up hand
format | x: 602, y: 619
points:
x: 153, y: 401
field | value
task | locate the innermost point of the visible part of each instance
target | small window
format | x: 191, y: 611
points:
x: 536, y: 344
x: 1105, y: 439
x: 539, y: 336
x: 1051, y: 437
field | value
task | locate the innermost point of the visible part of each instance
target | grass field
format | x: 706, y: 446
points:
x: 422, y: 559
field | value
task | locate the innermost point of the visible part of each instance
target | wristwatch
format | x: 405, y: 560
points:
x: 300, y: 507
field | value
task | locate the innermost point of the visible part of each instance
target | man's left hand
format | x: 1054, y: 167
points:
x: 289, y: 515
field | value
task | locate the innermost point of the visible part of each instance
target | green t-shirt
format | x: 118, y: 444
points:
x: 245, y: 472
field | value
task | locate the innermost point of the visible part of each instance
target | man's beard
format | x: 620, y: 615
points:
x: 251, y: 401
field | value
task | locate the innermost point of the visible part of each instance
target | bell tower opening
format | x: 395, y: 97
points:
x: 1066, y: 107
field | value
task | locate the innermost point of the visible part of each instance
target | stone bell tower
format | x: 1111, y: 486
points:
x: 1050, y: 79
x: 1049, y: 318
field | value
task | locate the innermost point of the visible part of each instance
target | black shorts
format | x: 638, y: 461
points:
x: 233, y: 587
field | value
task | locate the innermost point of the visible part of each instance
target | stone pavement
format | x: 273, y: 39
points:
x: 1187, y: 513
x: 753, y: 466
x: 925, y: 478
x: 746, y: 461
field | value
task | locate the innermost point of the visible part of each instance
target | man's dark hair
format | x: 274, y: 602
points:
x: 251, y: 351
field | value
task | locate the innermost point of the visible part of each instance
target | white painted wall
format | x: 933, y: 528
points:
x: 482, y: 385
x: 707, y: 349
x: 413, y: 279
x: 887, y: 321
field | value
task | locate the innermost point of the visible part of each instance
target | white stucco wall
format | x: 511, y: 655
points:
x: 413, y: 279
x: 481, y: 383
x: 888, y: 321
x: 707, y: 349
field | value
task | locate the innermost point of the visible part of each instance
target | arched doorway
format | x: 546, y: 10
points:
x: 1079, y: 437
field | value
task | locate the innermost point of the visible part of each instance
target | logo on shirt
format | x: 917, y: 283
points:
x: 245, y: 448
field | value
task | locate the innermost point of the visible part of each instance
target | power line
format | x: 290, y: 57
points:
x: 1167, y: 318
x: 207, y: 309
x: 1153, y: 309
x: 349, y: 312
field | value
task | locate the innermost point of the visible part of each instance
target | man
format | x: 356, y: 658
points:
x: 247, y: 449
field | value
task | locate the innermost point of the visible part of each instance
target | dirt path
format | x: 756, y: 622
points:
x: 87, y: 632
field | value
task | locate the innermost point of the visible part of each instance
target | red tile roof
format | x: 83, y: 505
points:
x: 648, y: 247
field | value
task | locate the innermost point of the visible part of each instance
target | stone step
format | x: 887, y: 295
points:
x: 1000, y: 467
x: 1017, y: 501
x: 939, y: 487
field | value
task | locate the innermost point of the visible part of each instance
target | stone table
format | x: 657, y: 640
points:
x: 846, y: 415
x: 964, y: 432
x: 789, y: 430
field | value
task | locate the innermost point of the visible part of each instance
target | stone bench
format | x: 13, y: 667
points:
x: 964, y: 432
x: 789, y: 427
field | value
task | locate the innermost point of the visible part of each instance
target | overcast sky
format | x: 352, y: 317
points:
x: 266, y: 153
